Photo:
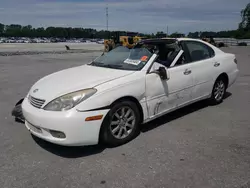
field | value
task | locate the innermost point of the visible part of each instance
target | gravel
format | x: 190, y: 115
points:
x: 48, y: 48
x: 46, y: 52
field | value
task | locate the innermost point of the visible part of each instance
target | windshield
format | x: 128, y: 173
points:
x: 124, y: 58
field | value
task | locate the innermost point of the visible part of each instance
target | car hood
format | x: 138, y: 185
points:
x: 74, y: 79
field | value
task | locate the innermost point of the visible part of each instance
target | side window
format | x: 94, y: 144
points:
x: 181, y: 60
x: 199, y: 51
x: 211, y: 52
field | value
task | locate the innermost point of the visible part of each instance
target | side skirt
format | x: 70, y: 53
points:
x: 176, y: 108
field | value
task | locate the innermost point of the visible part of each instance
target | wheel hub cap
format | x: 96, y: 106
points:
x: 219, y: 90
x: 122, y: 122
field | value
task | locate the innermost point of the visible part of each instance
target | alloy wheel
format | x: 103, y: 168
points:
x: 219, y: 90
x: 122, y: 122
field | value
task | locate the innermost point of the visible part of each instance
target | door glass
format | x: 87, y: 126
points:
x: 167, y: 54
x: 181, y: 60
x: 198, y: 51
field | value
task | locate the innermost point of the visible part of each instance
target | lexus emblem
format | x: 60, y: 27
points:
x: 35, y: 90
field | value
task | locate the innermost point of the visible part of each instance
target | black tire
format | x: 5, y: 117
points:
x: 221, y: 44
x: 215, y: 97
x: 106, y: 136
x: 106, y: 48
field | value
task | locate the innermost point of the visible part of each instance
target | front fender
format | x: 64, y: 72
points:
x: 134, y: 86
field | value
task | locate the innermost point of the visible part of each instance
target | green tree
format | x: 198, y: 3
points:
x: 13, y: 30
x: 177, y: 35
x: 160, y: 34
x: 26, y: 31
x: 194, y: 35
x: 40, y: 32
x: 2, y: 26
x: 245, y: 15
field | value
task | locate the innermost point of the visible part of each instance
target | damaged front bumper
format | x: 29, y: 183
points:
x: 17, y: 112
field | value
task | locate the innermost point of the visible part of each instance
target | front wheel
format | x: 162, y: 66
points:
x: 219, y: 91
x: 121, y: 124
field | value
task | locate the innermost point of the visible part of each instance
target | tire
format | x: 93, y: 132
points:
x: 219, y: 90
x: 221, y: 44
x: 119, y: 125
x: 106, y: 48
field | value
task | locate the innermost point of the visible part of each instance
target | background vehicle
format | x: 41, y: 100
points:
x: 107, y: 99
x: 212, y: 41
x: 121, y: 39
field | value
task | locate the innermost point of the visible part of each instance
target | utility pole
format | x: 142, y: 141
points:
x: 167, y: 30
x: 107, y: 17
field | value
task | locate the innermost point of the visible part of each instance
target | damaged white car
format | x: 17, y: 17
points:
x: 107, y: 99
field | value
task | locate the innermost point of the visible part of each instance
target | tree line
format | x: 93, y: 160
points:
x: 238, y: 34
x: 15, y: 30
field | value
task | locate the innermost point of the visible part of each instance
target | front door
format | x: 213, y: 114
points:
x: 165, y: 95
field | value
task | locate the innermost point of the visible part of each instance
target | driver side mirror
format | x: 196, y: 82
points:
x: 162, y: 72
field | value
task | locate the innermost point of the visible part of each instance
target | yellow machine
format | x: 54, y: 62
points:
x: 209, y: 40
x: 125, y: 40
x: 212, y: 41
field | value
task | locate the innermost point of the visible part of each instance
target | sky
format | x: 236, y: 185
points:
x: 130, y: 15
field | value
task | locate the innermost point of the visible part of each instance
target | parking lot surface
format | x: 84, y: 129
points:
x: 200, y: 146
x: 46, y: 47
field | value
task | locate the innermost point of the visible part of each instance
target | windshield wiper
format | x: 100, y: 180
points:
x: 112, y: 66
x: 96, y: 63
x: 105, y: 65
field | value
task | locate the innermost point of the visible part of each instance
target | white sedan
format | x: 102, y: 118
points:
x: 106, y: 100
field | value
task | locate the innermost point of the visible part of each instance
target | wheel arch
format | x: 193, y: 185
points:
x: 133, y: 99
x: 124, y: 98
x: 225, y: 77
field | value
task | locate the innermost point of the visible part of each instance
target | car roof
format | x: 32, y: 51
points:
x: 189, y: 39
x: 184, y: 38
x: 159, y: 40
x: 169, y: 40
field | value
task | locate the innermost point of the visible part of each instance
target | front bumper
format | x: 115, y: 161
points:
x: 72, y: 123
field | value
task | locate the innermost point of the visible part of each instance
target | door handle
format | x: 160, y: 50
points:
x: 187, y: 72
x: 216, y: 64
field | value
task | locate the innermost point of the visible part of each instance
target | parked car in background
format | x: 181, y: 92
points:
x: 106, y: 100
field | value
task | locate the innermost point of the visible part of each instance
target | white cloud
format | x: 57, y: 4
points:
x: 144, y: 15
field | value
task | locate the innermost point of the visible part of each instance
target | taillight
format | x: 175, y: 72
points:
x: 235, y: 60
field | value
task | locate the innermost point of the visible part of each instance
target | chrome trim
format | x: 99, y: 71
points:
x: 38, y: 103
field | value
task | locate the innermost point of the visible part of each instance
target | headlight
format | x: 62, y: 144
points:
x: 70, y: 100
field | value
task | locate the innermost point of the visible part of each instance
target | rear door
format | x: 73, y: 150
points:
x: 202, y: 64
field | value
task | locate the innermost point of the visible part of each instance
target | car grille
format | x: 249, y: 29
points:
x: 38, y: 103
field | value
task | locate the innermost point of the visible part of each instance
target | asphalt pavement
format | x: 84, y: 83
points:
x: 200, y: 146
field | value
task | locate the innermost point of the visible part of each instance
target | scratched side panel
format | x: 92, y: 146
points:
x: 157, y: 95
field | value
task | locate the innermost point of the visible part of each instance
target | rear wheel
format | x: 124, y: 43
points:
x: 121, y: 124
x: 106, y: 48
x: 219, y: 91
